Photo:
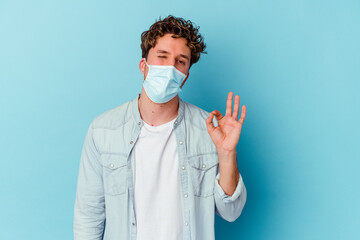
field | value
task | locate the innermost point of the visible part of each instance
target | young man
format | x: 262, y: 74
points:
x: 156, y: 167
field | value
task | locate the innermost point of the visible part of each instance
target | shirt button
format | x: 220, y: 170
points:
x: 131, y: 142
x: 186, y: 195
x: 186, y: 223
x: 111, y: 165
x: 204, y: 166
x: 181, y: 142
x: 133, y: 224
x: 139, y: 123
x: 182, y: 167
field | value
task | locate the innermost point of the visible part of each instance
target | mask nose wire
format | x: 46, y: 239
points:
x: 184, y: 75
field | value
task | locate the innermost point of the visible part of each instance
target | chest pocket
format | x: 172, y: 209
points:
x: 114, y: 173
x: 203, y: 169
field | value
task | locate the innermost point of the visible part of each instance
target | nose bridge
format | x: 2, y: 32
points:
x: 173, y: 60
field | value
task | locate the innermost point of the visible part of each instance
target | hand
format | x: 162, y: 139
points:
x: 226, y: 135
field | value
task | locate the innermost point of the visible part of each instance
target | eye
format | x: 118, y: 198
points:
x: 182, y: 62
x: 162, y: 56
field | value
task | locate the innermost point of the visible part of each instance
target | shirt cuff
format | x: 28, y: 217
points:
x: 220, y: 192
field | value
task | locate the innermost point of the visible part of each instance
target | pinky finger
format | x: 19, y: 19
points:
x: 243, y: 114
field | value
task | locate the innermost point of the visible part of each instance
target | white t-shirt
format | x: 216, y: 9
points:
x: 158, y: 199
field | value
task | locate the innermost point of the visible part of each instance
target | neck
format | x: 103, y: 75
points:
x: 156, y: 114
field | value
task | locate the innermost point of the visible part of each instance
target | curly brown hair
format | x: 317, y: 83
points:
x: 180, y: 28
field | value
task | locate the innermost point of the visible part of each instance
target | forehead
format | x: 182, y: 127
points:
x: 173, y: 45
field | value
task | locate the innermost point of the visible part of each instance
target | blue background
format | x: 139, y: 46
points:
x: 295, y: 65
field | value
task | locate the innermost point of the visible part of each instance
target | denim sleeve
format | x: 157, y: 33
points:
x: 229, y: 207
x: 89, y: 209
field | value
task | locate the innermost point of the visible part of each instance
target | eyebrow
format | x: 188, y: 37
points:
x: 166, y: 52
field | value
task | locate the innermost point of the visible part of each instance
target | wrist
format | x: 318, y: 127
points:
x: 226, y: 152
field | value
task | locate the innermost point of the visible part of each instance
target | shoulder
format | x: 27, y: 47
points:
x: 196, y: 115
x: 195, y: 110
x: 113, y: 118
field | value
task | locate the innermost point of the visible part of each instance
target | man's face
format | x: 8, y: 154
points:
x: 168, y: 51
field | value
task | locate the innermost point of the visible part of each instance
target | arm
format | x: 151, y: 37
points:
x: 89, y: 210
x: 230, y: 195
x: 228, y: 180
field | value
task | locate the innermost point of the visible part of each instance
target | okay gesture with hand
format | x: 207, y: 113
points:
x: 226, y: 135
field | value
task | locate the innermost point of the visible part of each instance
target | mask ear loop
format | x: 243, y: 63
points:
x: 146, y: 63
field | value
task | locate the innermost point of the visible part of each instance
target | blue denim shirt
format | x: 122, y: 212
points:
x: 104, y: 204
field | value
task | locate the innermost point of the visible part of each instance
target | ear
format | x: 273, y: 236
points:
x: 142, y: 66
x: 185, y: 79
